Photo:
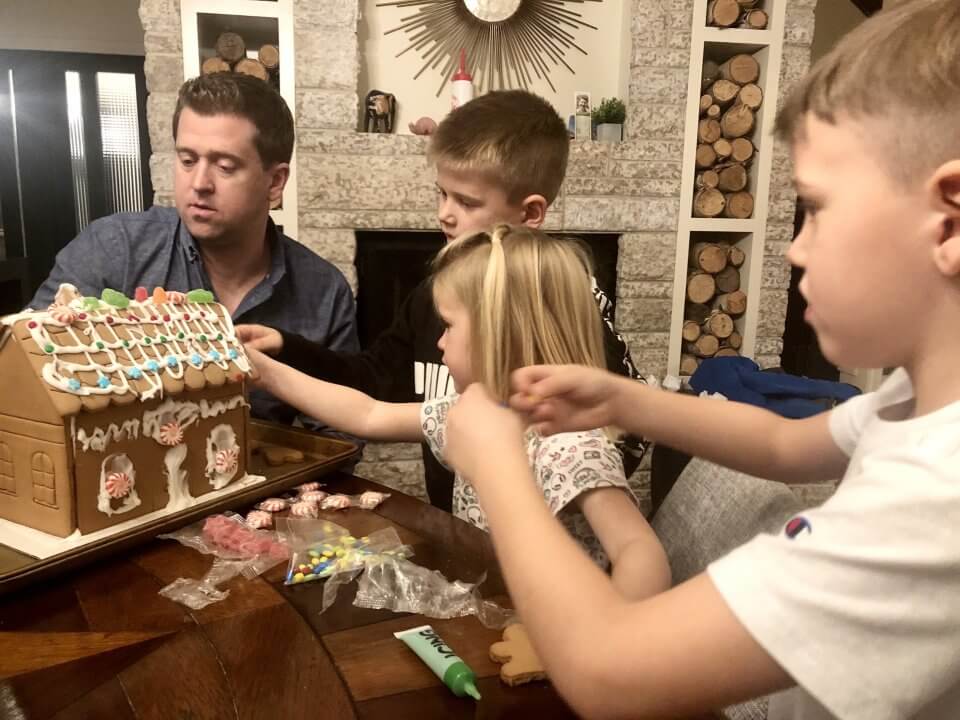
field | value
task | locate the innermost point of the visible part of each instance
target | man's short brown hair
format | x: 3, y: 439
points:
x: 512, y: 137
x: 898, y: 74
x: 229, y: 93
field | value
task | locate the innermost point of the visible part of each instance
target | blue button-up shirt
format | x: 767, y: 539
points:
x: 303, y: 293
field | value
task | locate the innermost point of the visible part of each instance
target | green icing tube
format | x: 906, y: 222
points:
x: 438, y: 656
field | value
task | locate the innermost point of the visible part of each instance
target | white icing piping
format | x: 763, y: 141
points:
x: 183, y: 411
x: 186, y: 412
x: 98, y: 441
x: 178, y: 491
x: 170, y: 321
x: 222, y: 437
x: 117, y: 463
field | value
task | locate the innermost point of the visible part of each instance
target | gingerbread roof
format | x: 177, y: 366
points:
x: 91, y: 352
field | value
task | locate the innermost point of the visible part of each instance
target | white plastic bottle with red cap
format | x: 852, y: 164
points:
x: 462, y: 84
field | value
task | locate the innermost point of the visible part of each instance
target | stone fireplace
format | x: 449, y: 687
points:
x: 350, y: 181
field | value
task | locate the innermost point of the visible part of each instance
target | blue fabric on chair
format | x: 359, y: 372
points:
x: 740, y: 379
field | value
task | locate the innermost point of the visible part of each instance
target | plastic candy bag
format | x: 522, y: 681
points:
x: 395, y: 583
x: 237, y: 549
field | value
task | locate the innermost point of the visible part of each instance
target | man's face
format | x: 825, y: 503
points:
x: 220, y: 184
x: 468, y: 204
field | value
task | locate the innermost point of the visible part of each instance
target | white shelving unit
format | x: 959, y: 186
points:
x: 257, y: 21
x: 719, y: 44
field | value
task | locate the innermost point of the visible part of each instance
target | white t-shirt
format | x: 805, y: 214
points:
x: 859, y: 600
x: 564, y: 466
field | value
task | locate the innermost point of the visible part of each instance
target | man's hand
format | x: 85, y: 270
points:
x: 564, y: 398
x: 480, y: 433
x: 260, y: 337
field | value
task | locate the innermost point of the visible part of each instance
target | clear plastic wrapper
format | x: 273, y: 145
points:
x: 395, y: 583
x: 237, y: 549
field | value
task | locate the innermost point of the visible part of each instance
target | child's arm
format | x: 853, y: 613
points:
x: 339, y: 407
x: 639, y: 566
x: 739, y: 436
x: 678, y: 653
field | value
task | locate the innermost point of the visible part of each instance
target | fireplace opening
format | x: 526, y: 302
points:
x: 390, y: 264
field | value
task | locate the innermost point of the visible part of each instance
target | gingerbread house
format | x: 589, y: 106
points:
x: 112, y: 408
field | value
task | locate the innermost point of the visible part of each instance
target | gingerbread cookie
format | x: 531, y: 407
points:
x: 276, y: 455
x: 519, y: 662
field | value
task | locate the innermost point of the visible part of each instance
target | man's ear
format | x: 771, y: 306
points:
x: 946, y: 189
x: 279, y: 174
x: 534, y: 210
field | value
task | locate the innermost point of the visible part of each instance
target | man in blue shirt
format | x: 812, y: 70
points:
x: 234, y: 139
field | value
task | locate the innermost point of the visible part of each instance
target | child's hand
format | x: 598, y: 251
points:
x: 563, y: 398
x: 479, y: 431
x: 260, y: 366
x: 260, y: 337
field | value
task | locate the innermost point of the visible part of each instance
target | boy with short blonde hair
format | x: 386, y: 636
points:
x: 853, y: 610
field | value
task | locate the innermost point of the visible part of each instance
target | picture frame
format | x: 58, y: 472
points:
x: 582, y: 104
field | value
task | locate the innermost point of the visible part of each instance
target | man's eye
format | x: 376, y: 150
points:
x: 227, y: 169
x: 187, y: 162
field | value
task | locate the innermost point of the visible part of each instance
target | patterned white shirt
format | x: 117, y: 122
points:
x: 564, y: 466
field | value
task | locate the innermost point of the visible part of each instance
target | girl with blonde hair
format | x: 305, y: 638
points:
x: 509, y: 298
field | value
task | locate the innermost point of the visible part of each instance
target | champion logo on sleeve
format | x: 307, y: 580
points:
x: 796, y: 526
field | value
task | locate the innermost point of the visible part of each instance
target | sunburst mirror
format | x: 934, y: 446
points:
x: 508, y: 43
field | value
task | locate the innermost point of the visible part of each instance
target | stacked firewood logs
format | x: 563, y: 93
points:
x: 736, y: 13
x: 232, y: 55
x: 731, y: 97
x: 714, y: 299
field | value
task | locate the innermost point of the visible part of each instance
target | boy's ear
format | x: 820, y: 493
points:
x: 946, y: 185
x: 534, y: 210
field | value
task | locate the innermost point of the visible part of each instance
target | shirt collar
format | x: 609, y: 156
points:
x: 278, y: 251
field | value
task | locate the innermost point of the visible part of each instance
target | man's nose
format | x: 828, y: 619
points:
x: 202, y: 177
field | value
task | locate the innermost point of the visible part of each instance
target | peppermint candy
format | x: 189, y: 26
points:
x: 272, y: 505
x: 225, y: 461
x: 62, y: 315
x: 370, y: 499
x: 259, y: 519
x: 170, y: 434
x: 335, y: 502
x: 176, y: 298
x: 307, y: 487
x: 304, y: 509
x: 313, y: 496
x: 118, y: 485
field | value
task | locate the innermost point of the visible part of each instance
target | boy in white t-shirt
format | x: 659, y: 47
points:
x: 853, y: 609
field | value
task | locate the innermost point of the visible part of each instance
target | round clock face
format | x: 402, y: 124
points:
x: 492, y: 10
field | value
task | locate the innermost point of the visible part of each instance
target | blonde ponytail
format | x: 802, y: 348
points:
x: 529, y: 298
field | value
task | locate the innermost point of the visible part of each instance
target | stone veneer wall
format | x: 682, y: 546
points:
x: 349, y: 180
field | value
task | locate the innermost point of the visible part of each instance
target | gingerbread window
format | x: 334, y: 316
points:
x: 42, y: 473
x: 8, y: 483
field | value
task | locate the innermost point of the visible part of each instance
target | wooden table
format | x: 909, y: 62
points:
x: 101, y: 643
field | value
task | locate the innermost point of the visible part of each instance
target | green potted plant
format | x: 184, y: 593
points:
x: 608, y: 118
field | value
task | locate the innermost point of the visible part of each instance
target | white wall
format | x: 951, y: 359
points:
x: 604, y: 71
x: 89, y: 26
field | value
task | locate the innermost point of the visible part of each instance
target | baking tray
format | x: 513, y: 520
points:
x: 322, y: 456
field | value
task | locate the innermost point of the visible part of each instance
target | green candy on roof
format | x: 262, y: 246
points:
x: 200, y: 296
x: 90, y: 303
x: 114, y: 298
